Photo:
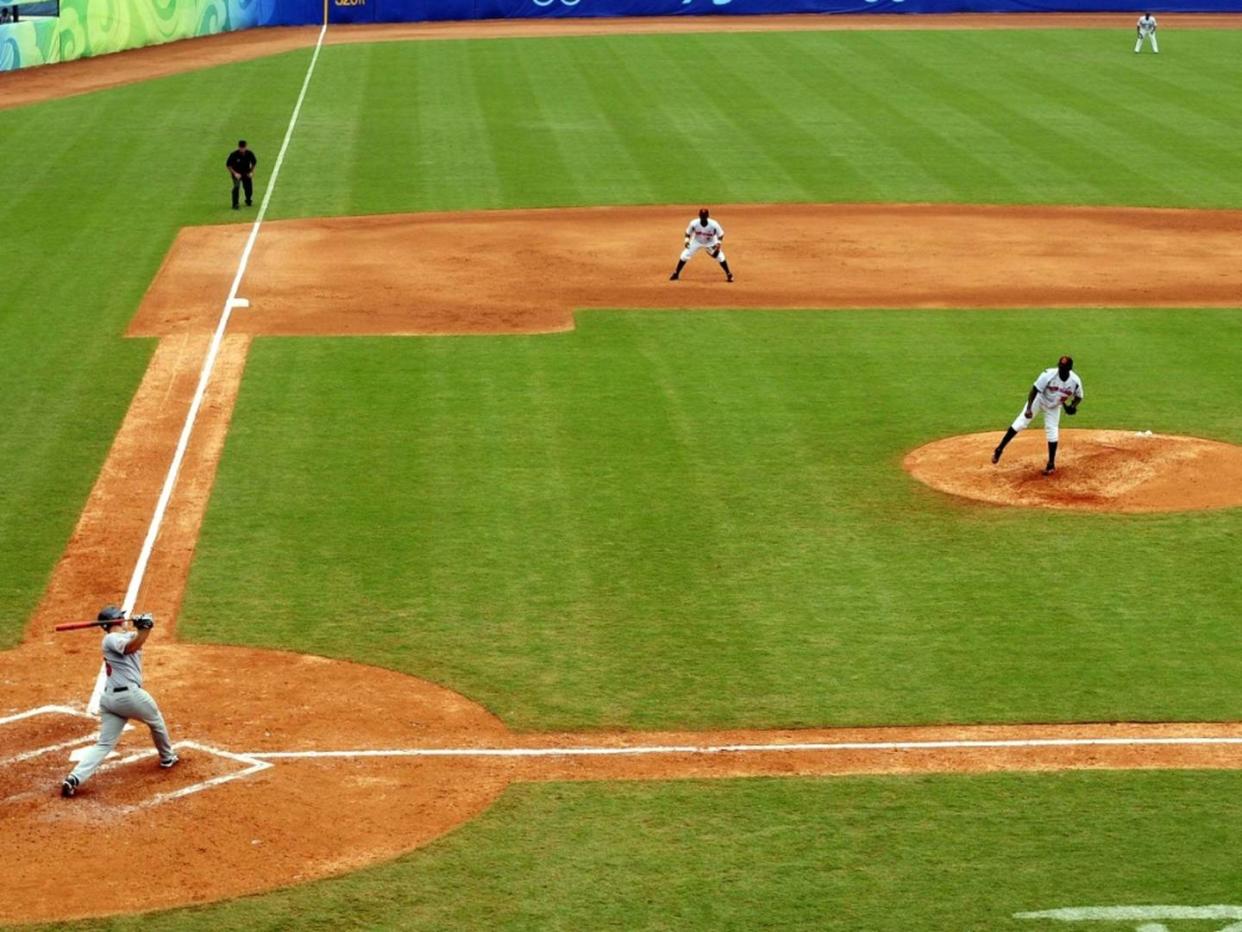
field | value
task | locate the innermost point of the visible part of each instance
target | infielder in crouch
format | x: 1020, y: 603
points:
x: 1054, y: 389
x: 703, y: 233
x: 1147, y: 30
x: 123, y: 697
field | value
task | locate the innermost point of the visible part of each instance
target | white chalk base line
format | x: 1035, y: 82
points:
x: 753, y: 748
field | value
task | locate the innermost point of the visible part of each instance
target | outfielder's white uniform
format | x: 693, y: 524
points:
x: 1147, y: 30
x: 1054, y: 392
x: 704, y: 236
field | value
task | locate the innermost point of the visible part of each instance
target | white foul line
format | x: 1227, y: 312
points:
x: 140, y: 569
x: 1136, y: 913
x: 232, y: 301
x: 750, y: 748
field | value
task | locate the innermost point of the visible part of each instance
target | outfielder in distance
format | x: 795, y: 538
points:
x: 1055, y: 389
x: 123, y: 697
x: 703, y: 233
x: 1146, y: 30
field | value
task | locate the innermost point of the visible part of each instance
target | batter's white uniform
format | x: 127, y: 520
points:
x: 1054, y: 393
x: 123, y: 699
x: 1147, y: 30
x: 704, y: 236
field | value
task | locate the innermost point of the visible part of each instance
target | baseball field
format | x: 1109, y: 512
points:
x: 507, y: 584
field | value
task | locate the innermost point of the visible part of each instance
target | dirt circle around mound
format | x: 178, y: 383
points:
x: 1097, y: 470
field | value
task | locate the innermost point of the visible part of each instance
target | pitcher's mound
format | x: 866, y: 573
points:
x: 1097, y: 470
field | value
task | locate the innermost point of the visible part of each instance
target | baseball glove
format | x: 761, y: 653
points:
x: 1071, y: 410
x: 144, y: 622
x: 715, y: 251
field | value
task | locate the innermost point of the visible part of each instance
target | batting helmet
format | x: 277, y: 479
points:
x: 110, y: 613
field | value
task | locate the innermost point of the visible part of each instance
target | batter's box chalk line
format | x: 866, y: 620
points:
x: 45, y: 710
x: 30, y: 754
x: 250, y: 765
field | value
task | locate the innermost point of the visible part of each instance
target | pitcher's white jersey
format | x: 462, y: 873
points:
x: 1055, y: 391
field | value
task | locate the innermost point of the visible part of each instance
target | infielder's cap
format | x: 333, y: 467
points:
x: 704, y: 210
x: 110, y: 613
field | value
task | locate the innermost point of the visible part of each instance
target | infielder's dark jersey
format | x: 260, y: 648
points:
x: 242, y: 162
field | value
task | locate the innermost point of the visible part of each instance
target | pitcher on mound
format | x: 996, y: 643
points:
x: 1055, y: 389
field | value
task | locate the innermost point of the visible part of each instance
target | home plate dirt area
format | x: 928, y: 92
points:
x: 257, y: 801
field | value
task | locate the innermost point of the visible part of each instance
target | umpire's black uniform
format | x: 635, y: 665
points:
x: 241, y: 163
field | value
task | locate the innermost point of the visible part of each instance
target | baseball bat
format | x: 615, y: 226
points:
x: 75, y: 625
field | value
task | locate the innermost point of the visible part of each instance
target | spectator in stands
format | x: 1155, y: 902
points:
x: 13, y: 13
x: 4, y: 14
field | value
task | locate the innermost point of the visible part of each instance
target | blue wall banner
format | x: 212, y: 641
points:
x: 394, y: 11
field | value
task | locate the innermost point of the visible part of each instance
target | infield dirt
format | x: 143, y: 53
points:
x: 461, y: 274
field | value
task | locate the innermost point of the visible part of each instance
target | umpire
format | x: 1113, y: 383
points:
x: 241, y: 163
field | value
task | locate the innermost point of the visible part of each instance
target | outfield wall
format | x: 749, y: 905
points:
x: 389, y: 11
x: 97, y: 27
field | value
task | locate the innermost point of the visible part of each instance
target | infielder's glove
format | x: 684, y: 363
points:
x: 1071, y: 410
x: 686, y: 244
x: 144, y: 622
x: 715, y: 252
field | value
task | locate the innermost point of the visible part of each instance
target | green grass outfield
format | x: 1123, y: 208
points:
x: 700, y: 519
x: 919, y: 854
x: 1044, y: 116
x: 990, y: 117
x: 1028, y: 116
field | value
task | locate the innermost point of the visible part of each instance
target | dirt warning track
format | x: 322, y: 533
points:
x: 265, y: 776
x: 32, y: 85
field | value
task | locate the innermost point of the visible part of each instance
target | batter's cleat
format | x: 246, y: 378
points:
x: 674, y: 277
x: 996, y: 454
x: 69, y: 787
x: 171, y: 762
x: 729, y: 278
x: 1049, y: 469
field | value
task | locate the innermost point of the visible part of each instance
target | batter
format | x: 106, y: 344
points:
x: 123, y: 697
x: 1055, y: 389
x: 703, y: 233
